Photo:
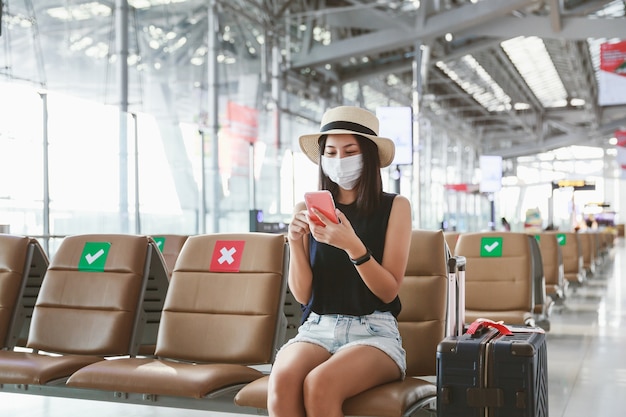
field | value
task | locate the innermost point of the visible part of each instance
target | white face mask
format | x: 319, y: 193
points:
x: 343, y: 171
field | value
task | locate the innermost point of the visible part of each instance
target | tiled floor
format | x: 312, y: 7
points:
x: 586, y: 360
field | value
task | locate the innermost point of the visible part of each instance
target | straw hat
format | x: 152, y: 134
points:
x: 349, y: 120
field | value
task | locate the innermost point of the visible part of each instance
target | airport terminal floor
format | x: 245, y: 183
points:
x: 586, y: 363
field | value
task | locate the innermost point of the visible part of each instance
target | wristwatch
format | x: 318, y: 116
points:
x: 362, y: 259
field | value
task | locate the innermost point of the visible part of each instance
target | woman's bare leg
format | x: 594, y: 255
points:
x: 345, y: 374
x: 285, y: 389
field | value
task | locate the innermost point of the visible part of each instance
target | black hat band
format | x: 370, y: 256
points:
x: 355, y: 127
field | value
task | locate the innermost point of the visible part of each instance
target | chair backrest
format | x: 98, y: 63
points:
x: 589, y: 249
x: 38, y: 266
x: 572, y: 256
x: 91, y: 297
x: 225, y: 300
x: 17, y: 255
x: 499, y: 279
x: 603, y: 244
x: 552, y: 261
x: 154, y: 298
x: 170, y: 246
x: 451, y: 239
x: 539, y: 279
x: 423, y: 293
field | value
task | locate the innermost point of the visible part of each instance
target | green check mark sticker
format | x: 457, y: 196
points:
x: 160, y: 242
x: 561, y: 238
x: 491, y: 247
x: 94, y: 256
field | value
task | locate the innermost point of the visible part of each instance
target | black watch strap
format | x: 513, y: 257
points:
x: 362, y: 259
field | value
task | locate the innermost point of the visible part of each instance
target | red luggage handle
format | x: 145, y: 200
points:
x: 480, y: 323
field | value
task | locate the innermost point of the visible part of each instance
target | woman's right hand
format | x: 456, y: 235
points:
x: 299, y: 226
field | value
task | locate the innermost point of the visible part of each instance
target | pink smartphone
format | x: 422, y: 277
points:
x: 323, y: 201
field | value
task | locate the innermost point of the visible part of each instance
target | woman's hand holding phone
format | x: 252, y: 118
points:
x: 299, y: 226
x: 322, y: 201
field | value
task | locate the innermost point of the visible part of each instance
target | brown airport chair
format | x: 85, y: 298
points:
x: 572, y: 257
x: 597, y: 248
x: 36, y: 272
x: 552, y: 259
x: 543, y: 303
x: 607, y: 237
x: 451, y: 239
x: 20, y: 258
x: 589, y: 251
x: 499, y: 279
x: 154, y: 297
x: 604, y: 245
x: 422, y: 324
x: 223, y: 313
x: 88, y: 308
x: 170, y: 246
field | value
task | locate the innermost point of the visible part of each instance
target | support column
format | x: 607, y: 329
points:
x: 137, y: 202
x: 121, y: 43
x: 277, y: 109
x: 46, y: 175
x: 212, y: 113
x: 419, y: 75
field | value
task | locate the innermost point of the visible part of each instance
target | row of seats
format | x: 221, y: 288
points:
x: 115, y: 320
x: 518, y: 277
x: 222, y: 309
x: 220, y: 325
x: 23, y: 264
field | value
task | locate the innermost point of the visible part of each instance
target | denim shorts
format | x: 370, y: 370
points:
x: 334, y: 332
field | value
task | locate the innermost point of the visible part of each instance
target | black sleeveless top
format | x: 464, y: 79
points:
x: 337, y: 286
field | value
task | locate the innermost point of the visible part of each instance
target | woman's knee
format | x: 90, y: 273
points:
x: 284, y: 391
x: 319, y: 395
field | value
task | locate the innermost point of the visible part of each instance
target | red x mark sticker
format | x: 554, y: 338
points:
x: 227, y: 255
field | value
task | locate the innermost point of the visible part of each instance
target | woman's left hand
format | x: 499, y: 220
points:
x: 340, y: 235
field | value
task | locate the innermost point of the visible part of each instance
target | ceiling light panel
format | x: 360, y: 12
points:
x: 146, y: 4
x: 80, y: 11
x: 473, y: 79
x: 530, y: 57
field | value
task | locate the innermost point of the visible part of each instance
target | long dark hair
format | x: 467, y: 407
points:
x: 370, y: 185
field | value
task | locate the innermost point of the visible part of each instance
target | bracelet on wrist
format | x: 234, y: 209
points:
x: 362, y: 259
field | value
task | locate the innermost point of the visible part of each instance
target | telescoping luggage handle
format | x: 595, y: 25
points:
x: 480, y: 323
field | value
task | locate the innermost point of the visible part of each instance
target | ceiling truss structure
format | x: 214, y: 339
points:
x: 468, y: 49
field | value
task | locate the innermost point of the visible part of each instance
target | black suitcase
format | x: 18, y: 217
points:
x: 498, y: 371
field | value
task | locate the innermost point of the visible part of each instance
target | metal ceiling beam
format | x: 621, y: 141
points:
x: 458, y: 19
x: 366, y: 19
x: 573, y: 28
x: 577, y: 138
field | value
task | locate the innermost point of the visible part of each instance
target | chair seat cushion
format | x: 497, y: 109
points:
x: 161, y: 377
x: 38, y: 369
x: 389, y: 400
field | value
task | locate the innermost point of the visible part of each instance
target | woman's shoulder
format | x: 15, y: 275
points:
x: 396, y: 199
x: 400, y: 207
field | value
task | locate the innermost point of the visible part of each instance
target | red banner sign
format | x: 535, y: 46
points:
x: 612, y: 74
x: 613, y: 58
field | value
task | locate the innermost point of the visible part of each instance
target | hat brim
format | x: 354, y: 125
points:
x: 310, y: 146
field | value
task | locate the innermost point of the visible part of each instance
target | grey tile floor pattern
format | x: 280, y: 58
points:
x: 586, y: 360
